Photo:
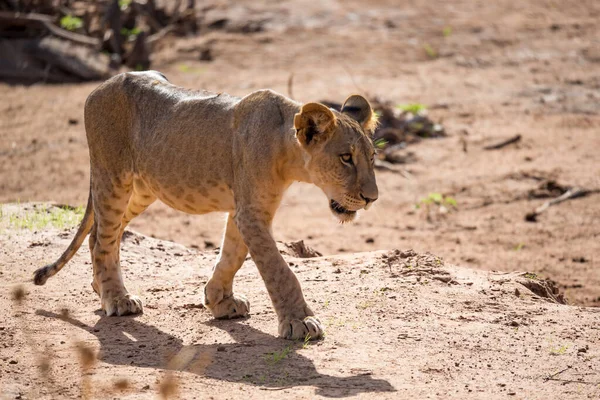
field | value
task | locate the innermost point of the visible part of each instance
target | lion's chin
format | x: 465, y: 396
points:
x: 343, y: 214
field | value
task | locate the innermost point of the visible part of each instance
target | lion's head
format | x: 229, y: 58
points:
x: 340, y: 153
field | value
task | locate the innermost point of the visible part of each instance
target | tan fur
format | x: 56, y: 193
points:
x: 200, y: 152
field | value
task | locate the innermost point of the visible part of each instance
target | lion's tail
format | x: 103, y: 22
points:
x: 41, y: 275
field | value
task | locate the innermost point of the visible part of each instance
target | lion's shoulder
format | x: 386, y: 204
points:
x: 265, y: 108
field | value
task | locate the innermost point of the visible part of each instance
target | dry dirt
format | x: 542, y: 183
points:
x: 399, y: 325
x: 488, y: 71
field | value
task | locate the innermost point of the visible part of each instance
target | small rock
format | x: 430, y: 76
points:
x: 206, y: 55
x: 73, y: 121
x: 221, y: 348
x: 13, y: 362
x: 370, y: 240
x: 517, y: 292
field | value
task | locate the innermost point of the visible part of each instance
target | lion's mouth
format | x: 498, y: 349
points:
x: 337, y: 208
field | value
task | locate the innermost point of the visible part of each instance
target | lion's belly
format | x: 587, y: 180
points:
x: 199, y: 197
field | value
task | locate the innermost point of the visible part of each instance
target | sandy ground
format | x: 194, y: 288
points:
x: 503, y: 68
x: 399, y: 325
x: 497, y: 69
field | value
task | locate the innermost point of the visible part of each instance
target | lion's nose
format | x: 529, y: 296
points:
x: 367, y: 200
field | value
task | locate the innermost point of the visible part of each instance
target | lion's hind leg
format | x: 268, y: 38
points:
x: 111, y: 198
x: 141, y: 199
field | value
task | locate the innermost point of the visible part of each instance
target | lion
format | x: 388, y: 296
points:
x: 201, y: 152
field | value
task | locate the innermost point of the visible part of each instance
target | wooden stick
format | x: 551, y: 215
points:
x: 572, y: 193
x: 47, y: 22
x: 504, y: 143
x: 159, y: 35
x: 388, y: 166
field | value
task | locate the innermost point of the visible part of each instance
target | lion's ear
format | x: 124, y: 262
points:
x: 314, y: 123
x: 359, y: 109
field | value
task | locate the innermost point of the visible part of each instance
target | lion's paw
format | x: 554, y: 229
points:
x: 122, y: 305
x: 296, y: 329
x: 234, y: 306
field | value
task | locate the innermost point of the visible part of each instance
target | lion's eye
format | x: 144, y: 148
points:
x: 346, y: 158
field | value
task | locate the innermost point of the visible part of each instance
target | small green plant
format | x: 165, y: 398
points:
x: 430, y: 51
x: 559, y: 351
x: 519, y: 246
x: 337, y: 322
x: 306, y: 343
x: 447, y: 31
x: 71, y: 23
x: 189, y: 69
x: 276, y: 356
x: 365, y: 304
x: 380, y: 143
x: 413, y: 108
x: 530, y: 275
x: 123, y: 4
x: 437, y: 199
x: 131, y: 33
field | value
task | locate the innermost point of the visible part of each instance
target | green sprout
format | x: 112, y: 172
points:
x: 430, y: 51
x: 413, y: 108
x: 380, y: 143
x: 306, y: 343
x: 437, y: 199
x: 519, y: 246
x: 71, y: 23
x: 276, y: 356
x: 131, y: 33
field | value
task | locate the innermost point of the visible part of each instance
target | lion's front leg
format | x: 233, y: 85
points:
x: 218, y: 292
x: 296, y: 320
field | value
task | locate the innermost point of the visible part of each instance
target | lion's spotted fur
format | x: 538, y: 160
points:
x: 200, y: 152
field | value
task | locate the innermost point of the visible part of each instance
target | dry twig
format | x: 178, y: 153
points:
x: 572, y: 193
x: 503, y: 143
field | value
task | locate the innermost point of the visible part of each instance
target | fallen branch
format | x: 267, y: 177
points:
x: 565, y: 381
x: 504, y: 143
x: 159, y: 35
x: 554, y: 375
x: 47, y: 22
x: 388, y: 166
x: 572, y: 193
